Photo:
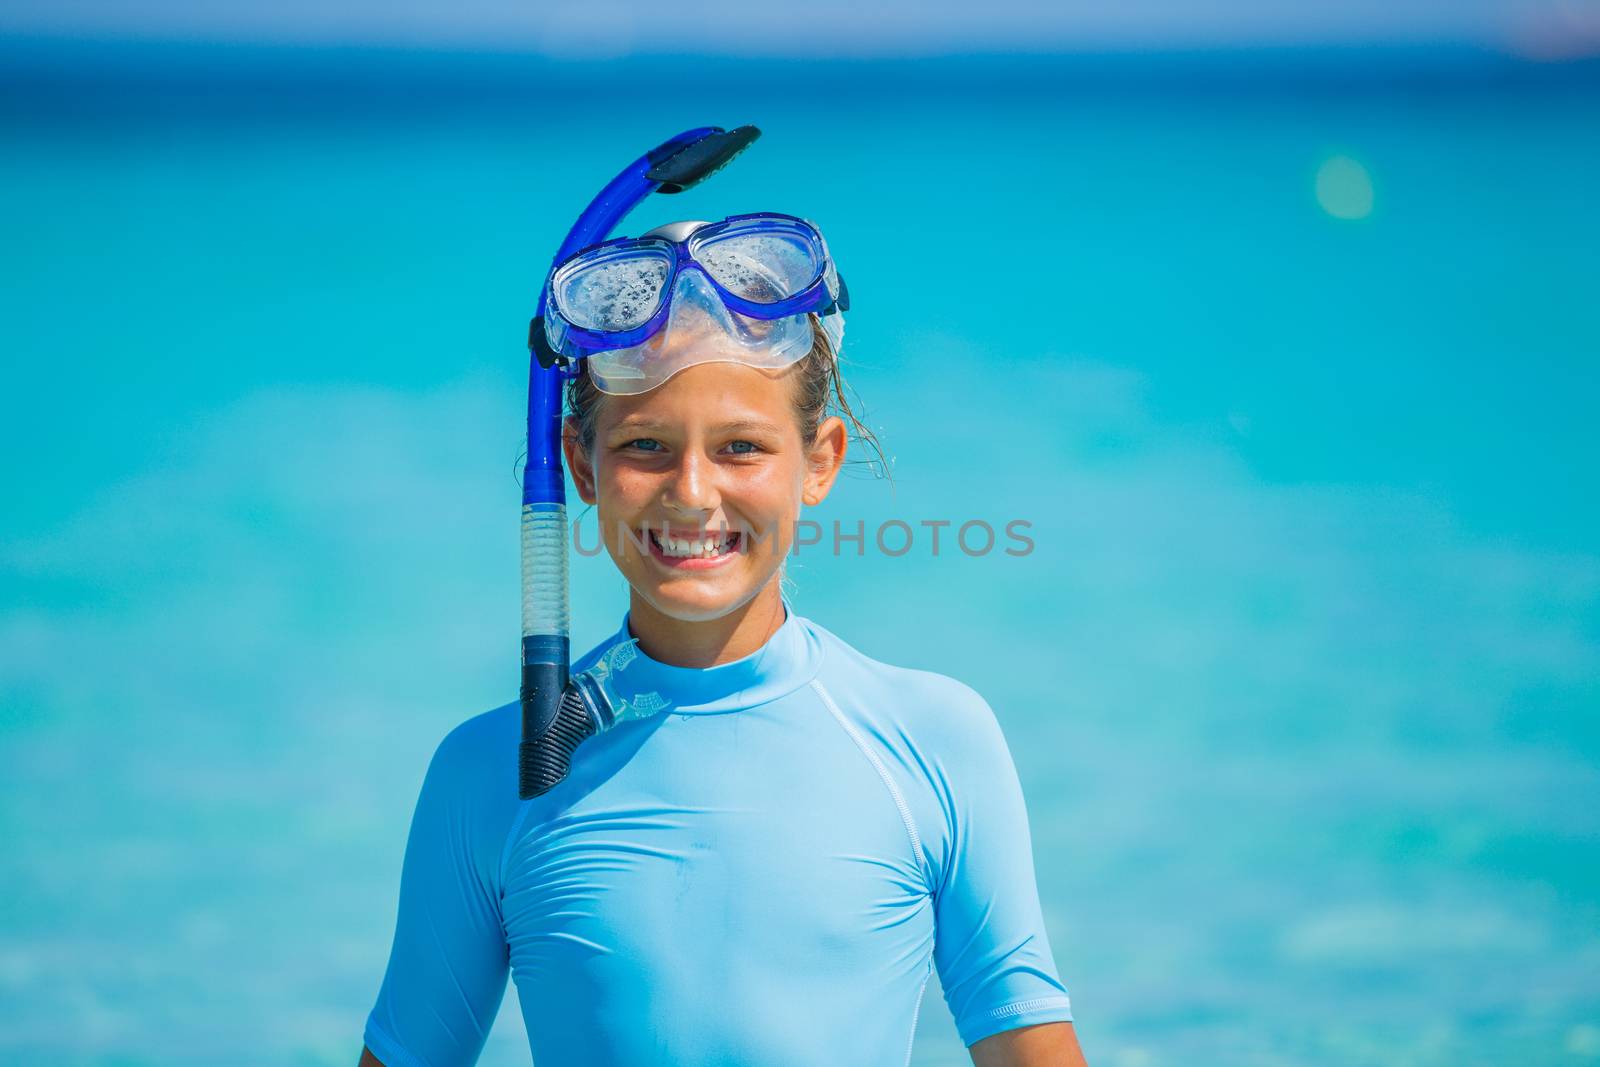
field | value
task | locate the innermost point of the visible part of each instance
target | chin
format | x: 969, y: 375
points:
x: 695, y: 605
x: 690, y: 599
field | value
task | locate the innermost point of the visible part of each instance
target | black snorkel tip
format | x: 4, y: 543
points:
x: 695, y: 162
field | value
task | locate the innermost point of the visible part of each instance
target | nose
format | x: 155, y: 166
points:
x: 691, y: 490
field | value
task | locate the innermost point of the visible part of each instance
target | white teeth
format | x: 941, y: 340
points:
x: 684, y: 547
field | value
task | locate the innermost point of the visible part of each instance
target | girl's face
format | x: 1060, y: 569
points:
x: 699, y: 484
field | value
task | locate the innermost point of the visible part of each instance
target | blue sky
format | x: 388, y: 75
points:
x: 828, y: 26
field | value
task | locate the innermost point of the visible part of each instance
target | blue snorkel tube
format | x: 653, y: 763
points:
x: 560, y: 712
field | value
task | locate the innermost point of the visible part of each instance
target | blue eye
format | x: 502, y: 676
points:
x: 643, y: 440
x: 752, y: 448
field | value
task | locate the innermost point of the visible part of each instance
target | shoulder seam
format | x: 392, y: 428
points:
x: 883, y: 776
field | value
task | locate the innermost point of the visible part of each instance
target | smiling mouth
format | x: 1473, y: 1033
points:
x: 713, y: 546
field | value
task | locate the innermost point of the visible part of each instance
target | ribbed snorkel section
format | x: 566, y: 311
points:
x: 560, y: 721
x: 546, y: 592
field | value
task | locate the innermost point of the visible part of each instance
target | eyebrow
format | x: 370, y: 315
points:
x: 632, y: 425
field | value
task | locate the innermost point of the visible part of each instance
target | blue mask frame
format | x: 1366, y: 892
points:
x: 574, y: 342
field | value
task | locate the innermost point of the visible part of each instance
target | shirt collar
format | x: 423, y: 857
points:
x: 788, y: 660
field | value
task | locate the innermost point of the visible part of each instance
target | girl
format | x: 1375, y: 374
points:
x: 763, y: 862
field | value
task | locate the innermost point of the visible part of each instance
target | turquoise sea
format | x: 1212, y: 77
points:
x: 1290, y: 360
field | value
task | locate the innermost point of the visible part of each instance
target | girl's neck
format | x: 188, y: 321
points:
x: 709, y: 643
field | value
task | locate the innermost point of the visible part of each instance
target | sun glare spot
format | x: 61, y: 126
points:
x: 1344, y: 189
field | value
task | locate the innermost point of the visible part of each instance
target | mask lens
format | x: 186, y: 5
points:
x: 614, y: 290
x: 762, y: 262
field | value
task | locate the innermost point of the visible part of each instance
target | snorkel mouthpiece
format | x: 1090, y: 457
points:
x: 560, y: 712
x: 583, y: 710
x: 544, y: 761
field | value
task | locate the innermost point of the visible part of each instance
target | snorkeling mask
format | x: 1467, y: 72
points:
x: 640, y: 310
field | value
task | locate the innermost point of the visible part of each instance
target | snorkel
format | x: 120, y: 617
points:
x: 560, y: 712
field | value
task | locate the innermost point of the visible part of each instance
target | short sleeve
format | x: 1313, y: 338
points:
x: 449, y: 962
x: 990, y: 944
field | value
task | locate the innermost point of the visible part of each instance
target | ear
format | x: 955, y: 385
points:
x: 824, y: 460
x: 578, y: 460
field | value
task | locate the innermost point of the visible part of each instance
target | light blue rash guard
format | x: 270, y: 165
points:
x: 763, y: 873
